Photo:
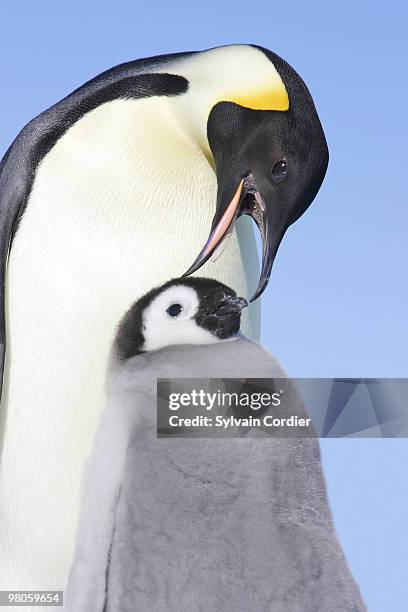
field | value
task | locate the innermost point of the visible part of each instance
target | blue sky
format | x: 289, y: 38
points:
x: 337, y: 302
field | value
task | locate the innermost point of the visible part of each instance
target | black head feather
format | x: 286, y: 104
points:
x: 219, y: 313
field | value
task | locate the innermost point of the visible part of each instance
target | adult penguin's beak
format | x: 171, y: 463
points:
x: 247, y: 200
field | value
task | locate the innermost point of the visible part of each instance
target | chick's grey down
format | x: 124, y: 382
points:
x: 214, y: 525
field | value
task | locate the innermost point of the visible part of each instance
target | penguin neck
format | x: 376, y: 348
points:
x: 175, y: 150
x: 186, y: 122
x: 146, y: 160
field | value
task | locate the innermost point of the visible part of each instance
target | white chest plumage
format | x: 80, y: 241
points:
x: 123, y: 202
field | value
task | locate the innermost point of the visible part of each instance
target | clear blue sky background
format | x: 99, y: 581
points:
x: 337, y: 303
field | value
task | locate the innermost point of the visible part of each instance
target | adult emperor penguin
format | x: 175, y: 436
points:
x: 191, y: 524
x: 111, y: 191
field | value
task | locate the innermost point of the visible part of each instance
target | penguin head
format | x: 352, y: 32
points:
x: 182, y: 311
x: 267, y: 143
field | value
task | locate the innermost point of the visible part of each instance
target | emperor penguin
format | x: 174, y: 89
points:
x: 137, y: 176
x: 190, y: 523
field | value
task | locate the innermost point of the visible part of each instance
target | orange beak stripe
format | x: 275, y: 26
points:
x: 224, y: 223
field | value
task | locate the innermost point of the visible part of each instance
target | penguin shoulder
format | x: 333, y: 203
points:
x: 239, y: 357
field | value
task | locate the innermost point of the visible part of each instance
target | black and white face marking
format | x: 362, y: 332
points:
x: 270, y: 163
x: 183, y: 311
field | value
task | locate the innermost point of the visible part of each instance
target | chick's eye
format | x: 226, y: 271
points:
x: 279, y: 171
x: 174, y: 310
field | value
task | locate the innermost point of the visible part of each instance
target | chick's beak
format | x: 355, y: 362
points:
x: 230, y: 306
x: 221, y: 314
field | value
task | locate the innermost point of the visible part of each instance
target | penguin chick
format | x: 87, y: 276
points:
x: 180, y: 524
x: 182, y: 311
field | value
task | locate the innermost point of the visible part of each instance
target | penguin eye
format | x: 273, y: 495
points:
x: 279, y: 171
x: 174, y: 310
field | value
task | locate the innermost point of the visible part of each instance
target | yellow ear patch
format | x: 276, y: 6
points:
x: 275, y: 98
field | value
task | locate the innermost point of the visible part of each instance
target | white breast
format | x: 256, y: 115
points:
x: 123, y: 202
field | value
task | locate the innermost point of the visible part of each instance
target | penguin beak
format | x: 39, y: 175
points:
x: 221, y: 314
x: 231, y: 306
x: 247, y: 200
